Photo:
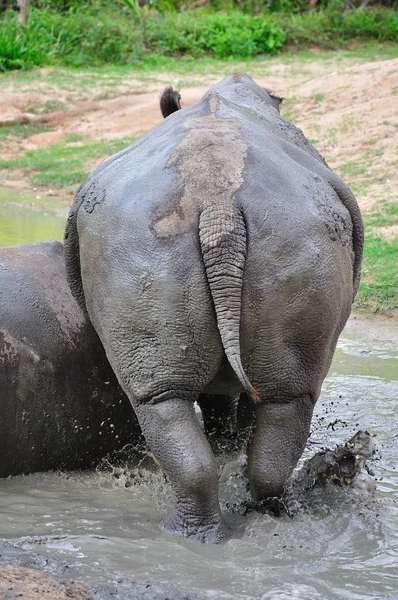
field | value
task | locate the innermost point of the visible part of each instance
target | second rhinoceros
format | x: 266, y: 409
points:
x: 217, y: 254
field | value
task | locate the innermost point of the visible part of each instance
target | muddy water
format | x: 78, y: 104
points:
x: 343, y: 545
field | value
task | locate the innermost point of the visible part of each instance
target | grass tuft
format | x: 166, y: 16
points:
x: 66, y: 164
x: 379, y: 284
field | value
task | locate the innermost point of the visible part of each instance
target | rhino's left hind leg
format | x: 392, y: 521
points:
x: 278, y: 441
x: 177, y: 441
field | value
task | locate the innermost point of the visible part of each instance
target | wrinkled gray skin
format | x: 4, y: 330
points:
x: 60, y: 404
x: 217, y: 254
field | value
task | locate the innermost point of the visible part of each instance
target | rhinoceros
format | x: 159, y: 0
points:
x: 60, y: 404
x: 218, y: 254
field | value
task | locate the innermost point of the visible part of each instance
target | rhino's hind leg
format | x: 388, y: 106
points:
x: 278, y: 441
x: 177, y: 441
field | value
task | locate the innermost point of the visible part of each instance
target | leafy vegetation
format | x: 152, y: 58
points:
x: 252, y: 6
x: 90, y: 34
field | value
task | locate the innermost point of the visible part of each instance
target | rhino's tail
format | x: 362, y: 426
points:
x: 223, y: 242
x: 72, y: 254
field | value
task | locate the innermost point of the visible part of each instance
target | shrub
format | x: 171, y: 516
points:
x: 100, y: 35
x: 18, y: 47
x: 220, y: 34
x: 330, y: 28
x: 378, y: 24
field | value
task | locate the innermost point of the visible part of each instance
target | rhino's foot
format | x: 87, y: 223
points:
x: 211, y: 531
x: 287, y: 503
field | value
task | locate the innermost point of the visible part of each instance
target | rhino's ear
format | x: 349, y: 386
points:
x: 169, y: 101
x: 276, y: 100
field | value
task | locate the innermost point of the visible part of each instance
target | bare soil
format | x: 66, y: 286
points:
x: 348, y: 109
x: 29, y: 584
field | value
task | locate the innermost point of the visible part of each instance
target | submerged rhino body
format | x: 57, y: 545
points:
x: 217, y: 255
x: 61, y: 406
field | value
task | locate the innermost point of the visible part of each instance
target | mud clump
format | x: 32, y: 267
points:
x: 340, y: 465
x: 27, y: 584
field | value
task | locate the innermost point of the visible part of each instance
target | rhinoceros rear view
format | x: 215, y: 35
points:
x: 218, y: 254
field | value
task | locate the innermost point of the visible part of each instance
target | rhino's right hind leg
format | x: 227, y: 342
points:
x: 178, y: 443
x: 278, y: 441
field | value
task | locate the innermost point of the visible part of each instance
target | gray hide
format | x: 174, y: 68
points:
x: 60, y: 404
x: 215, y: 255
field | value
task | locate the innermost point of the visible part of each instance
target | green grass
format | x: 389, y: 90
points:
x: 386, y: 215
x: 379, y: 284
x: 364, y: 172
x: 51, y: 105
x: 66, y: 164
x: 19, y: 131
x: 352, y: 169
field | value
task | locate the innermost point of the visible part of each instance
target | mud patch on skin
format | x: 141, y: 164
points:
x: 336, y: 224
x: 337, y: 227
x: 210, y: 161
x: 92, y: 197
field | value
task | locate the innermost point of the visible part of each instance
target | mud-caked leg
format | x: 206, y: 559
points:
x: 177, y: 441
x: 278, y: 441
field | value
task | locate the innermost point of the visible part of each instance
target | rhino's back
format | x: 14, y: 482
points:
x: 209, y: 153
